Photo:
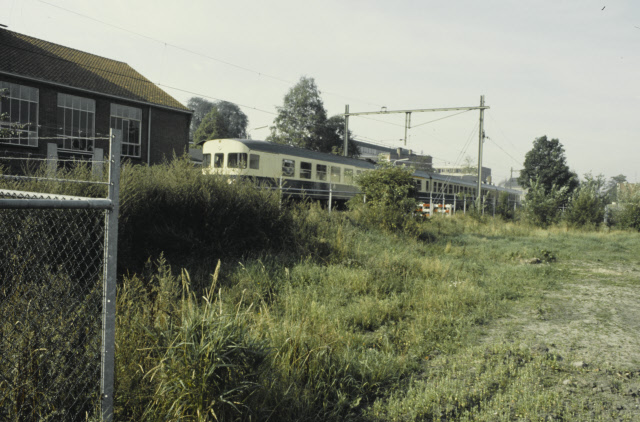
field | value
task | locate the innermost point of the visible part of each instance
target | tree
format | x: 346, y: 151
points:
x: 388, y: 186
x: 302, y: 121
x: 224, y: 120
x: 612, y: 187
x: 201, y: 108
x: 546, y: 164
x: 587, y: 205
x: 542, y: 207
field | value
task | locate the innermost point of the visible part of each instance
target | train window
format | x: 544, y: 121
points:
x: 348, y: 176
x: 237, y: 160
x: 418, y: 183
x: 335, y: 173
x: 305, y: 170
x: 206, y: 160
x: 426, y: 187
x: 218, y: 160
x: 358, y: 172
x: 321, y: 172
x: 288, y: 167
x: 254, y: 161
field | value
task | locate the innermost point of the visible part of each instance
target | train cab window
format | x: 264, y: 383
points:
x: 218, y: 160
x: 348, y: 176
x: 288, y: 168
x: 321, y: 172
x: 305, y: 170
x: 237, y: 160
x: 206, y: 160
x: 335, y: 173
x: 254, y: 161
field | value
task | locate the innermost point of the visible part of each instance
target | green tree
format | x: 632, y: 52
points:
x: 612, y: 187
x: 224, y: 120
x: 543, y: 207
x: 388, y: 186
x: 587, y: 204
x: 546, y: 164
x: 200, y: 108
x: 302, y: 121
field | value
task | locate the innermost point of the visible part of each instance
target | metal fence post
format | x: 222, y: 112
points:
x: 330, y: 197
x: 109, y: 283
x: 52, y: 159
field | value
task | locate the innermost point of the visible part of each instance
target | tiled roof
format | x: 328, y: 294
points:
x: 34, y: 58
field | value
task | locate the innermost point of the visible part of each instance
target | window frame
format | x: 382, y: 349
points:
x: 306, y: 173
x: 254, y: 159
x: 121, y: 115
x: 333, y: 174
x: 288, y: 167
x: 18, y: 98
x: 237, y: 160
x: 71, y: 108
x: 218, y: 160
x: 321, y: 174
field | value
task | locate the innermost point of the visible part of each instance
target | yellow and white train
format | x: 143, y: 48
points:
x: 312, y: 174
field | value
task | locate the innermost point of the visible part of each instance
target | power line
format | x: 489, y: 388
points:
x: 261, y: 74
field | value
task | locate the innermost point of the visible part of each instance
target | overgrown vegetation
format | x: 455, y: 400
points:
x: 231, y: 307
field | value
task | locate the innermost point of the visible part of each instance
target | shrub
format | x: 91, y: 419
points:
x: 542, y: 208
x: 587, y: 204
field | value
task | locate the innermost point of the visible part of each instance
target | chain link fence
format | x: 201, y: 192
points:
x: 57, y: 304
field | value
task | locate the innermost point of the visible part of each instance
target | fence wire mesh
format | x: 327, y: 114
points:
x: 51, y: 299
x: 52, y: 290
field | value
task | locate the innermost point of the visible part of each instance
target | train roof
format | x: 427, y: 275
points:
x: 264, y: 146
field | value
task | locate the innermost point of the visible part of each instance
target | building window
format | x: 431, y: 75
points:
x: 254, y: 161
x: 305, y: 170
x: 76, y: 123
x: 129, y: 121
x: 321, y: 172
x: 19, y: 111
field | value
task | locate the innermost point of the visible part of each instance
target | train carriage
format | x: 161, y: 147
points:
x: 304, y: 173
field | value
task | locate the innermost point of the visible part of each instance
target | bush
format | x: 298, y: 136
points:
x: 542, y: 208
x: 626, y: 215
x: 587, y: 205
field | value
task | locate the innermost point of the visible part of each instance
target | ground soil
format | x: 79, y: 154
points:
x: 590, y: 320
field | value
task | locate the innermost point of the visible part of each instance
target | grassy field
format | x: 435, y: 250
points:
x: 452, y: 319
x: 255, y: 311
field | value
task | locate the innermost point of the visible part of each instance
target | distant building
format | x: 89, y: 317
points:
x: 466, y: 173
x: 56, y: 94
x: 373, y: 152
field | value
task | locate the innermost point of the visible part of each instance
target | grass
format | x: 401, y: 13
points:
x: 345, y: 316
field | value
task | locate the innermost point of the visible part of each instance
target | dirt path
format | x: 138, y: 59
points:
x: 592, y: 322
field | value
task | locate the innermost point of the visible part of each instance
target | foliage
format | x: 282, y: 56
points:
x: 546, y: 164
x: 185, y: 357
x: 200, y: 107
x: 388, y: 186
x: 612, y: 187
x: 587, y: 204
x: 626, y: 214
x: 542, y: 207
x: 175, y: 209
x: 504, y: 208
x: 302, y: 122
x: 224, y: 120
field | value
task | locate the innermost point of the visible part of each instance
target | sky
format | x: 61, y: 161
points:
x: 567, y: 69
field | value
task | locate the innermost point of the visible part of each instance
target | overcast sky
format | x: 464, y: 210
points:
x: 568, y: 69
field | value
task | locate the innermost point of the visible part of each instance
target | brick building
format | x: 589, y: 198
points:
x: 55, y: 94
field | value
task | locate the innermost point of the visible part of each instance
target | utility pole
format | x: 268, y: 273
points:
x: 480, y: 142
x: 407, y: 113
x: 407, y: 126
x: 345, y: 150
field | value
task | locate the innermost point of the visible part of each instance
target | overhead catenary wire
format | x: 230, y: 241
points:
x: 196, y: 53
